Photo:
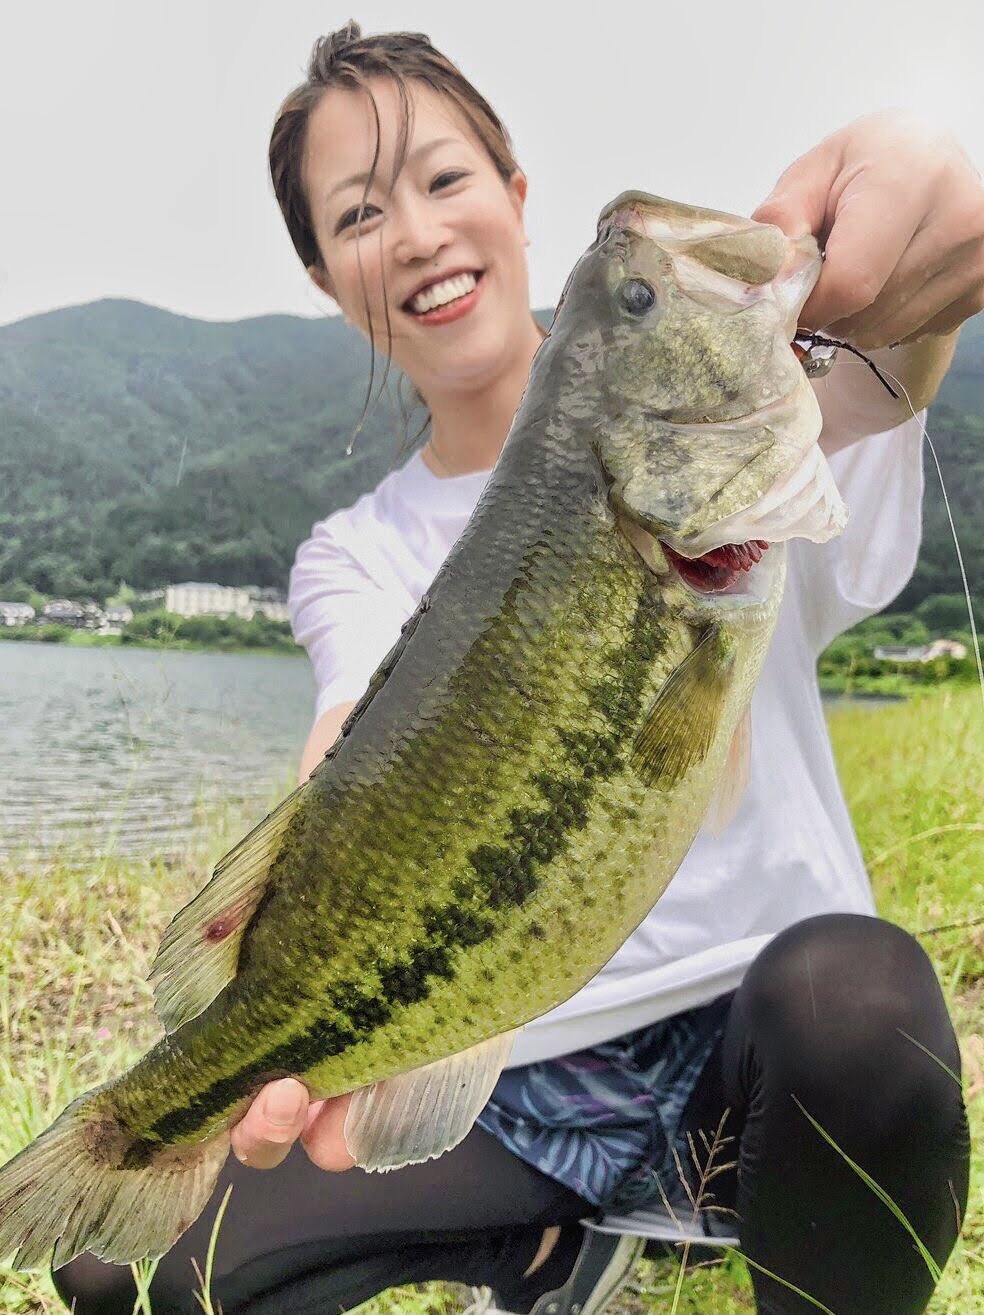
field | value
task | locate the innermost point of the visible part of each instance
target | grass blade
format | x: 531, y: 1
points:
x: 785, y: 1282
x: 880, y: 1192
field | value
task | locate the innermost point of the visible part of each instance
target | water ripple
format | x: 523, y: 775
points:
x: 129, y: 744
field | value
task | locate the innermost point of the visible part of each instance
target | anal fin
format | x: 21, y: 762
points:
x: 199, y: 953
x: 419, y: 1115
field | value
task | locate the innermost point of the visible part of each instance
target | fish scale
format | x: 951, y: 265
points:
x: 527, y: 768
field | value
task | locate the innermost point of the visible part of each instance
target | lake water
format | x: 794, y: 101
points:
x: 128, y: 743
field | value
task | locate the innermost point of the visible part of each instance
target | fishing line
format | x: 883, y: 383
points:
x: 953, y: 528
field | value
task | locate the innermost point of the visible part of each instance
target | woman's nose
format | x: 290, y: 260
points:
x: 421, y: 234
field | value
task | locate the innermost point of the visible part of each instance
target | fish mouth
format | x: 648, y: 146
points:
x: 733, y: 569
x: 726, y: 570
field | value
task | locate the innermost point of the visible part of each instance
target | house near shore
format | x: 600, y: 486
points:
x: 921, y: 652
x: 78, y: 616
x: 114, y: 619
x: 945, y: 648
x: 16, y: 614
x: 118, y: 616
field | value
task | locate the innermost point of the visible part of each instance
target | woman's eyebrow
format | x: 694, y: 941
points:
x: 421, y: 150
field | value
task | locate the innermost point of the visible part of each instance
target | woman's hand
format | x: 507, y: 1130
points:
x: 899, y: 209
x: 279, y: 1115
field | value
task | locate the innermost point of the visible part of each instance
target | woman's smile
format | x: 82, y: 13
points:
x: 446, y: 299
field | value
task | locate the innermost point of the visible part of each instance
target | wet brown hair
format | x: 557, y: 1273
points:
x: 346, y: 58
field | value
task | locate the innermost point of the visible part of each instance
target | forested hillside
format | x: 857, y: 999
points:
x: 143, y: 446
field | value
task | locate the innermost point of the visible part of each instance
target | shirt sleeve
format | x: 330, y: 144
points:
x: 340, y: 615
x: 880, y: 478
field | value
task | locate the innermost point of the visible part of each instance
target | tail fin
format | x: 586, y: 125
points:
x: 86, y: 1184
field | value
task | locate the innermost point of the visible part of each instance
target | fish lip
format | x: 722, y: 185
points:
x: 439, y: 278
x: 802, y: 503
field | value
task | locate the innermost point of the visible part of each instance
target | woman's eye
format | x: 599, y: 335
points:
x: 351, y: 216
x: 446, y: 179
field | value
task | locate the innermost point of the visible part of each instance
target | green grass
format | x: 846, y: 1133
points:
x: 79, y: 933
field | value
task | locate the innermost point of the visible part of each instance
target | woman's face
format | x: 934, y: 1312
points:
x: 449, y: 212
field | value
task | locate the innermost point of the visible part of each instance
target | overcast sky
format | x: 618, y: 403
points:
x: 133, y: 135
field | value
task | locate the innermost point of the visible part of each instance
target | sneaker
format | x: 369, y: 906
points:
x: 603, y: 1265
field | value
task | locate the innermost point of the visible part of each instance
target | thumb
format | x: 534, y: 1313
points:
x: 792, y: 212
x: 800, y: 201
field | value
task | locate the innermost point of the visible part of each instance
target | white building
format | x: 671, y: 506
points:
x: 945, y: 648
x: 16, y: 614
x: 921, y: 652
x: 271, y: 603
x: 195, y: 599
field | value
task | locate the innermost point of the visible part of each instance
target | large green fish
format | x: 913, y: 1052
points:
x: 529, y: 764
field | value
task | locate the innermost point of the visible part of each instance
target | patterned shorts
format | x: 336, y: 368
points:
x: 605, y: 1121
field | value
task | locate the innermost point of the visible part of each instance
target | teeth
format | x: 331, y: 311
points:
x: 439, y: 294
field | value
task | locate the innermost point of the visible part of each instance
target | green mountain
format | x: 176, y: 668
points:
x: 140, y: 445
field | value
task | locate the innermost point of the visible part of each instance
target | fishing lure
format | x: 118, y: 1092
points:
x: 818, y: 353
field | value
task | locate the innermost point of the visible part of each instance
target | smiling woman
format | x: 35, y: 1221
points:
x: 430, y: 234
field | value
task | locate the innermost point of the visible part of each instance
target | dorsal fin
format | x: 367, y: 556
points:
x: 199, y: 954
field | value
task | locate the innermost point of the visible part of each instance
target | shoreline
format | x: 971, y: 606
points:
x: 90, y: 639
x: 884, y: 686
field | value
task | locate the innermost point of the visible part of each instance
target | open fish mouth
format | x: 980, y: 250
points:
x: 722, y: 570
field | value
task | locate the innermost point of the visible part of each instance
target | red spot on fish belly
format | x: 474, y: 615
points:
x: 221, y: 927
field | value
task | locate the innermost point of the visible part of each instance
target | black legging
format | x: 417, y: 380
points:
x: 835, y: 1017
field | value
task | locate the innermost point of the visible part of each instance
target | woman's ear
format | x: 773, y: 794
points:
x: 322, y: 279
x: 516, y: 188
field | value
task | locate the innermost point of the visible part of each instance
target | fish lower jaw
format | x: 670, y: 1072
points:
x: 734, y: 569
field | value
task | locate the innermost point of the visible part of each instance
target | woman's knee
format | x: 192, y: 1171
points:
x: 843, y: 997
x: 89, y: 1286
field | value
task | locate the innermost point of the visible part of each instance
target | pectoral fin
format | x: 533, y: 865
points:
x: 419, y: 1115
x: 680, y: 727
x: 199, y: 954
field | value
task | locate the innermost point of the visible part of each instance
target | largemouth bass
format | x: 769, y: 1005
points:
x: 528, y: 766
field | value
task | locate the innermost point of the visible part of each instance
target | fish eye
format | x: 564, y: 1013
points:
x: 637, y: 296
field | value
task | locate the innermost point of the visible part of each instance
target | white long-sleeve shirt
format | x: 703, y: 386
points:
x: 790, y: 851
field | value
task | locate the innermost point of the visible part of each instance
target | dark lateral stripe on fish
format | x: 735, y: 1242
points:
x: 505, y: 876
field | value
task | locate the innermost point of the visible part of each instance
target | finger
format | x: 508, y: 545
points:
x: 908, y: 316
x: 798, y: 202
x: 919, y: 265
x: 323, y: 1136
x: 271, y: 1125
x: 861, y: 253
x: 952, y: 318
